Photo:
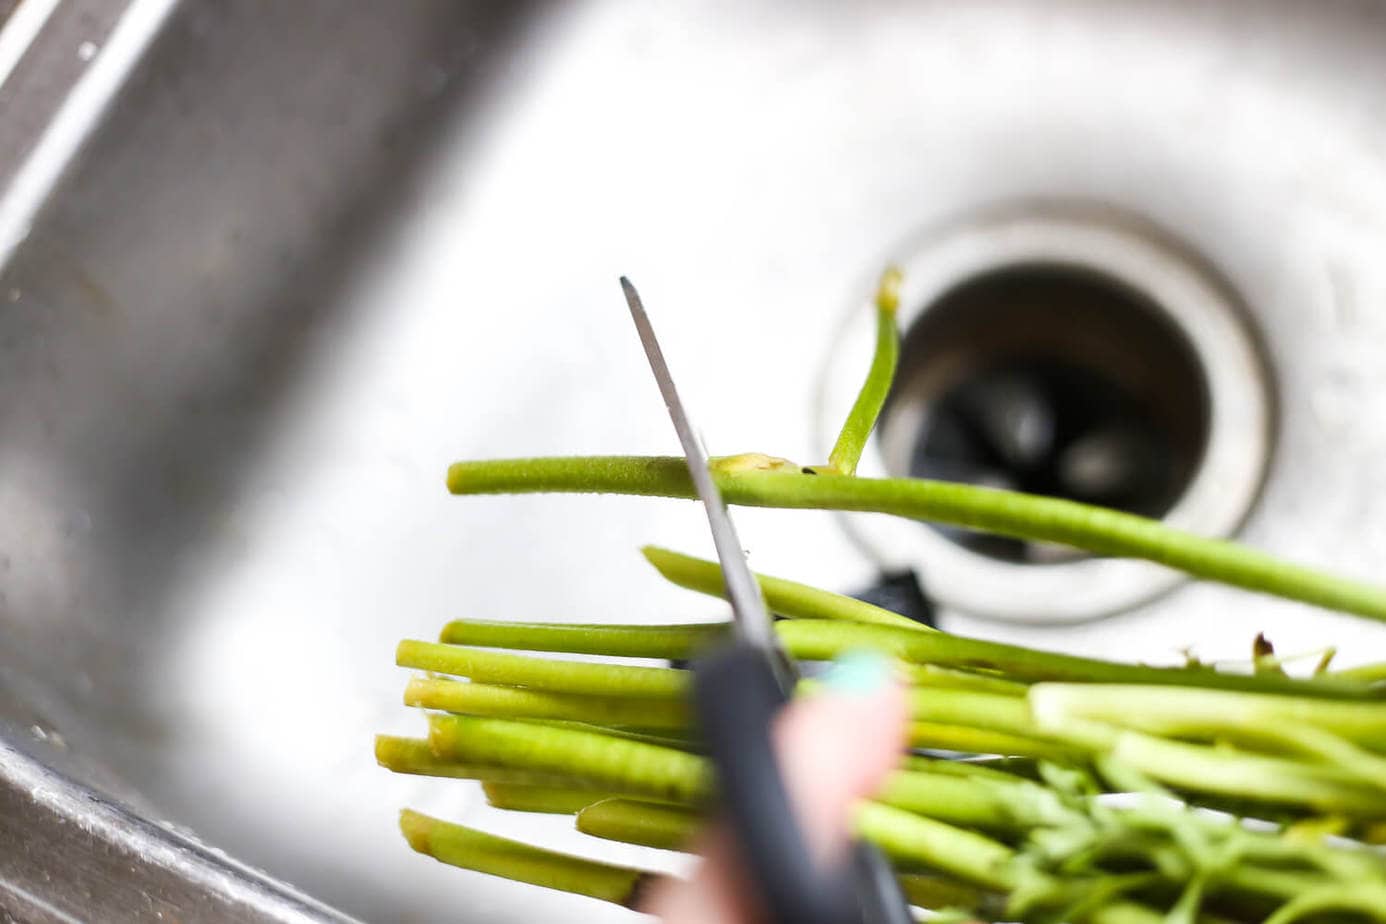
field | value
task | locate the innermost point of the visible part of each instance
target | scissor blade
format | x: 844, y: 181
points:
x: 751, y: 620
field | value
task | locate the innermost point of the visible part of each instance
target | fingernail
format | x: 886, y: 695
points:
x: 858, y: 672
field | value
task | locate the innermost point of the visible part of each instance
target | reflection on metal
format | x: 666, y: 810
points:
x: 73, y: 856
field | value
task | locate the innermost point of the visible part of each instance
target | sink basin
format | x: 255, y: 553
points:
x: 265, y: 269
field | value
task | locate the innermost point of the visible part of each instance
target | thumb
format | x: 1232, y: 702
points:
x: 837, y: 745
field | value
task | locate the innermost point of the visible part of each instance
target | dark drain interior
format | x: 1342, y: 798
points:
x: 1054, y: 380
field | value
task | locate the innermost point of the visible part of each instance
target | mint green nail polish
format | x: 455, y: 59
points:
x: 858, y: 672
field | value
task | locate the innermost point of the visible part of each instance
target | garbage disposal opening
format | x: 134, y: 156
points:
x: 1064, y: 349
x: 1051, y: 379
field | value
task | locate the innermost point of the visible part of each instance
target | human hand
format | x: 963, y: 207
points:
x: 835, y: 747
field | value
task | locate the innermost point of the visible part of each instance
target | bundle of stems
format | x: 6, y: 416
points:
x: 1110, y: 792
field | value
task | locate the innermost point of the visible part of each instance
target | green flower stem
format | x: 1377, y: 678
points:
x: 1331, y: 732
x: 861, y: 419
x: 648, y: 824
x: 645, y: 476
x: 1179, y: 712
x: 931, y: 676
x: 1256, y: 722
x: 643, y: 641
x: 1233, y: 861
x: 822, y: 639
x: 788, y: 598
x: 983, y: 718
x: 806, y: 603
x: 1025, y: 516
x: 1004, y: 769
x: 1122, y: 912
x: 1367, y: 900
x: 983, y: 709
x: 938, y: 893
x: 596, y: 760
x: 917, y: 819
x: 977, y: 797
x: 1247, y: 880
x: 1280, y: 853
x: 549, y: 800
x: 971, y: 857
x: 486, y: 853
x: 543, y: 673
x: 414, y: 755
x: 1010, y: 805
x: 1099, y: 530
x: 1203, y: 769
x: 933, y: 736
x: 803, y: 602
x: 993, y: 711
x: 665, y: 738
x: 591, y: 760
x: 513, y: 702
x: 910, y: 838
x: 1365, y: 673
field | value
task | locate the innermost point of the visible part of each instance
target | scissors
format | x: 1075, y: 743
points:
x: 737, y: 691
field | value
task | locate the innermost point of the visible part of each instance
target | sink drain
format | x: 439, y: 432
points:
x: 1053, y: 380
x: 1072, y: 353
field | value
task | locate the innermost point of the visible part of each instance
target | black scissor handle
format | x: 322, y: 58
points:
x: 736, y: 695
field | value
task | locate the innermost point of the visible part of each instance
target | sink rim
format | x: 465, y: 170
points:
x: 126, y: 859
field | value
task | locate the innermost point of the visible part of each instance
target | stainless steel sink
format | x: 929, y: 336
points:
x: 265, y: 269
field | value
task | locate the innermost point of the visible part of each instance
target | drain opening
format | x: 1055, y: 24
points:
x: 1066, y: 349
x: 1051, y: 379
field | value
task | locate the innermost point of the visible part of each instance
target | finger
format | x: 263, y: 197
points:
x: 717, y: 893
x: 837, y: 746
